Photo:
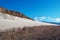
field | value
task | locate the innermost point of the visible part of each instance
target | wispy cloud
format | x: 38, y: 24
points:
x: 57, y: 20
x: 47, y: 19
x: 42, y: 18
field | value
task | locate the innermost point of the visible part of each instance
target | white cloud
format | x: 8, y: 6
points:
x: 47, y: 18
x: 57, y: 20
x: 42, y: 18
x: 36, y: 18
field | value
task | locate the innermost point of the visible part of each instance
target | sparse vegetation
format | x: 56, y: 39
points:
x: 32, y: 33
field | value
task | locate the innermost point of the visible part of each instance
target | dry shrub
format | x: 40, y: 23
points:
x: 32, y: 33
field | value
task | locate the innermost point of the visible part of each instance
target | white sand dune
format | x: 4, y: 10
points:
x: 8, y: 21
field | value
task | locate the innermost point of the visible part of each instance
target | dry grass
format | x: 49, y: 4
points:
x: 32, y: 33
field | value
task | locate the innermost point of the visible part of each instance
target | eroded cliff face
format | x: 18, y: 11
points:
x: 14, y: 13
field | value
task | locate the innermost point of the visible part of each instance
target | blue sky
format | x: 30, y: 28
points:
x: 34, y: 8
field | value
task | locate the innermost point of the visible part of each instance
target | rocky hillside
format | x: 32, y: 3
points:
x: 14, y: 13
